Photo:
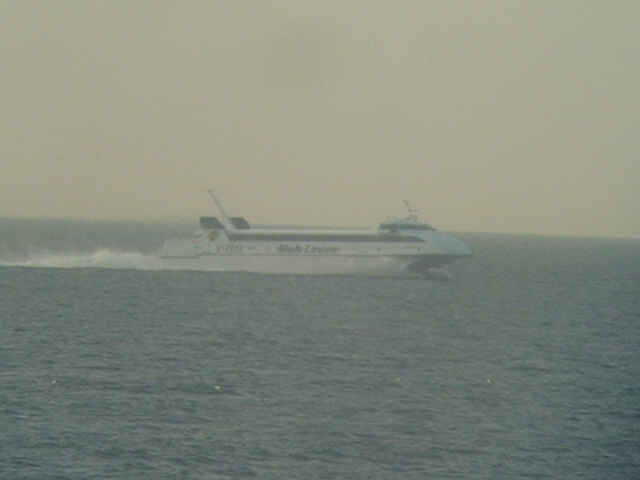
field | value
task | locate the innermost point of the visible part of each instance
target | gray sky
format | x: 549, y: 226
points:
x: 495, y: 116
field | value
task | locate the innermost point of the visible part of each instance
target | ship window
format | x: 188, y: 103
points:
x: 210, y: 223
x: 240, y: 223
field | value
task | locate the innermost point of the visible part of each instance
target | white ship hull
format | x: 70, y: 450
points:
x: 365, y: 256
x: 325, y: 265
x: 368, y: 265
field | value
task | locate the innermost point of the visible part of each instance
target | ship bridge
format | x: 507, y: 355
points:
x: 404, y: 225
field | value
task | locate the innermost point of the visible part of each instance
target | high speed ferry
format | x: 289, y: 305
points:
x: 396, y: 248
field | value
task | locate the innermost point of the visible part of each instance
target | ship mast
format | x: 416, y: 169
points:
x: 413, y: 215
x: 229, y: 223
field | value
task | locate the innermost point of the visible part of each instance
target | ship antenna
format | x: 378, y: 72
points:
x: 228, y: 221
x: 413, y: 215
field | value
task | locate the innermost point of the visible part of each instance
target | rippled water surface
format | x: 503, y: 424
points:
x: 525, y: 365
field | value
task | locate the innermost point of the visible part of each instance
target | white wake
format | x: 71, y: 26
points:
x: 101, y: 259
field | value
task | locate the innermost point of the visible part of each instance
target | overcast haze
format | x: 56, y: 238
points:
x: 493, y: 116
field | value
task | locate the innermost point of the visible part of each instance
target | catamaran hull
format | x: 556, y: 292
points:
x: 392, y: 266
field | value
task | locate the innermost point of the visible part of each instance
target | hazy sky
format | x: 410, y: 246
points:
x: 494, y: 116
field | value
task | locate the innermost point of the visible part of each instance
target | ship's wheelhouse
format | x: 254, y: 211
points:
x: 411, y: 226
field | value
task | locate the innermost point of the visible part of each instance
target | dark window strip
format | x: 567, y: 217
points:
x: 302, y: 237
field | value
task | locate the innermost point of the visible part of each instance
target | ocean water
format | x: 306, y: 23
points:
x: 525, y: 365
